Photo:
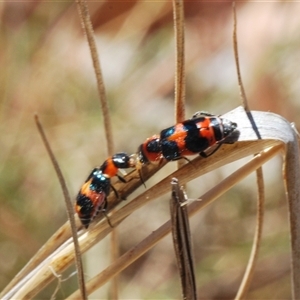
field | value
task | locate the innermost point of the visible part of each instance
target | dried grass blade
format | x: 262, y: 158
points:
x: 178, y: 16
x: 49, y: 247
x: 291, y: 176
x: 64, y: 232
x: 248, y: 275
x: 182, y: 241
x: 153, y: 238
x: 88, y: 30
x: 237, y: 63
x: 69, y: 207
x: 275, y: 132
x: 259, y: 174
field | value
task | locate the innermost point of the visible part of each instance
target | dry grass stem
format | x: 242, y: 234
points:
x: 69, y: 208
x: 179, y: 99
x: 179, y: 104
x: 259, y: 173
x: 88, y: 29
x: 292, y: 184
x: 64, y: 233
x: 153, y: 238
x: 275, y: 131
x: 182, y: 241
x: 237, y: 62
x: 89, y: 32
x: 257, y: 238
x: 114, y: 254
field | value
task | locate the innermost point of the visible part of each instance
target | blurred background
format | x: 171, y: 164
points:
x: 46, y: 69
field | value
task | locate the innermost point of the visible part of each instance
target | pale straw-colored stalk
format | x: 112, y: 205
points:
x: 277, y: 137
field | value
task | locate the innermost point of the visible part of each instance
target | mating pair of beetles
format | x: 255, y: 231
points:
x: 189, y: 137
